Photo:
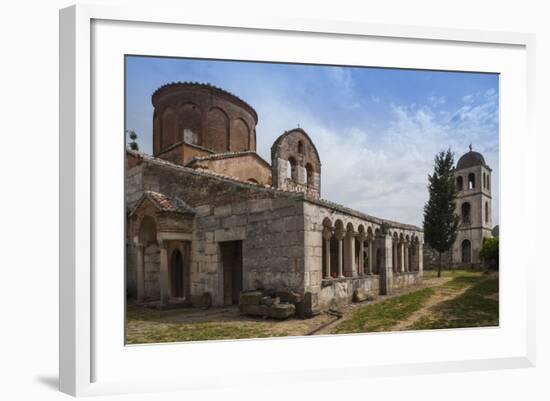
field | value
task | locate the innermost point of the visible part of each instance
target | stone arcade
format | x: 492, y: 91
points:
x: 209, y: 218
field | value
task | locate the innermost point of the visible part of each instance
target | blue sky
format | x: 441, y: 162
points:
x: 377, y: 130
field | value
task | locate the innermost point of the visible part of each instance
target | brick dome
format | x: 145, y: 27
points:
x: 202, y: 115
x: 470, y: 159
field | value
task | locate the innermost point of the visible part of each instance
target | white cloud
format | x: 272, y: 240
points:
x: 385, y: 173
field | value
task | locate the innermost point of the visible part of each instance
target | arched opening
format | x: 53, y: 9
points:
x: 216, y: 136
x: 169, y: 129
x: 191, y: 124
x: 466, y: 251
x: 466, y: 212
x: 471, y: 181
x: 309, y: 175
x: 300, y: 147
x: 240, y: 136
x: 459, y: 183
x: 486, y: 212
x: 293, y: 168
x: 177, y: 275
x: 333, y: 257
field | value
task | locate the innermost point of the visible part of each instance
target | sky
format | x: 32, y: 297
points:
x: 377, y: 130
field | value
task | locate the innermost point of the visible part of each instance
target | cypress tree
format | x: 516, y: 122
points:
x: 440, y: 219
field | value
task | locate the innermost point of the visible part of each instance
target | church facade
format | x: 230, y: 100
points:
x: 208, y: 218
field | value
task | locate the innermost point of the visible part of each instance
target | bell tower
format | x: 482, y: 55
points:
x: 473, y: 205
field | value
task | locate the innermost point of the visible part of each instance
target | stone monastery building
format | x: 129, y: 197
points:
x: 209, y: 218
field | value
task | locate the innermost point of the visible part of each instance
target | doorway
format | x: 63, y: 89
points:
x: 232, y: 262
x: 177, y: 275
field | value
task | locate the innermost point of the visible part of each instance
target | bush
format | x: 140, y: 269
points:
x: 489, y: 252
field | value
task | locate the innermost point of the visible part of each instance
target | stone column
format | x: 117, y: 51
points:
x: 340, y: 237
x: 327, y: 234
x: 350, y: 267
x: 401, y: 256
x: 370, y: 262
x: 407, y: 258
x: 164, y: 279
x: 140, y: 248
x: 361, y: 266
x: 384, y: 242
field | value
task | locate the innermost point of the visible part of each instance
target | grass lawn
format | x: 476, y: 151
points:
x: 473, y: 307
x: 476, y: 307
x: 465, y: 299
x: 147, y: 326
x: 384, y: 315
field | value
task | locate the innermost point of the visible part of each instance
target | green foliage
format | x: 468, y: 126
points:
x: 440, y: 219
x: 132, y: 144
x: 489, y: 252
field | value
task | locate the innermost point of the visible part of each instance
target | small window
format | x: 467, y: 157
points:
x: 459, y: 183
x: 466, y: 212
x: 300, y: 147
x: 484, y: 181
x: 488, y: 181
x: 471, y: 181
x: 293, y: 169
x: 309, y: 175
x: 486, y: 212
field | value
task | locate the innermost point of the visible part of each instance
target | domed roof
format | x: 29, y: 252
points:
x: 470, y: 159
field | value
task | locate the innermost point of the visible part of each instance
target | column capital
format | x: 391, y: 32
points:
x: 163, y: 244
x: 340, y: 234
x: 327, y: 233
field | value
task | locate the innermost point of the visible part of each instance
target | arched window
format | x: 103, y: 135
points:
x: 459, y: 183
x: 466, y: 212
x: 293, y: 169
x: 486, y: 212
x: 309, y: 175
x: 300, y: 147
x: 466, y: 251
x: 488, y: 181
x: 471, y: 181
x: 484, y: 181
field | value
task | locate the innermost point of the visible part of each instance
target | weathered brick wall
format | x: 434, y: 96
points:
x: 203, y: 115
x: 246, y: 167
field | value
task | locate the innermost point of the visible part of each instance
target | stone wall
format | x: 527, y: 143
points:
x: 269, y: 224
x: 402, y: 280
x: 336, y: 293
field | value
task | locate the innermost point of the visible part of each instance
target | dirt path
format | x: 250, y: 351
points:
x: 440, y: 295
x: 349, y: 309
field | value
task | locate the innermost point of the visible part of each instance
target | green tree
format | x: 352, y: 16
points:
x: 440, y: 219
x: 489, y: 252
x: 132, y: 144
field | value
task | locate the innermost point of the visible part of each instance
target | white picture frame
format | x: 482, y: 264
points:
x: 90, y: 364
